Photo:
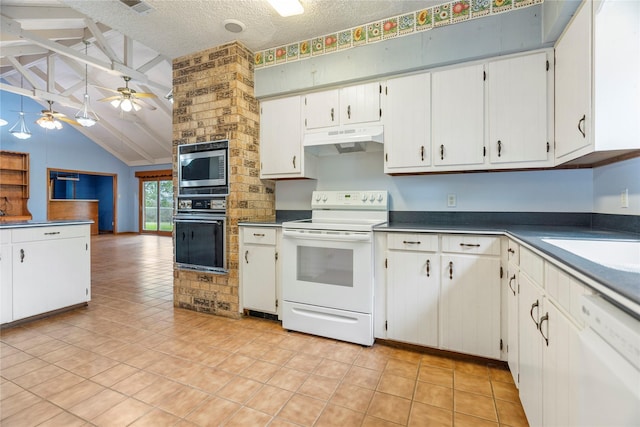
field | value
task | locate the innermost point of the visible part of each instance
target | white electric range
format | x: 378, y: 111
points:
x: 327, y: 264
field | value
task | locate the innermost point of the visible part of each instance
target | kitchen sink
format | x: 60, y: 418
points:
x: 618, y: 254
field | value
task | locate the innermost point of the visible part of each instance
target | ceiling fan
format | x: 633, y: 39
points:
x: 128, y: 99
x: 51, y: 119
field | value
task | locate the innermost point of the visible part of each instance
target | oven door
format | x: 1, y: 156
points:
x: 200, y: 242
x: 332, y: 269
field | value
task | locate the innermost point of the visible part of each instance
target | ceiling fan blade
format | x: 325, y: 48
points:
x: 68, y: 120
x: 145, y: 95
x: 105, y: 88
x: 110, y: 98
x: 144, y: 104
x: 57, y: 115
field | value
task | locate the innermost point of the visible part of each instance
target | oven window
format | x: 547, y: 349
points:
x: 328, y: 266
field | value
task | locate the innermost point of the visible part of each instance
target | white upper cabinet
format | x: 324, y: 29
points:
x: 407, y: 124
x: 457, y: 118
x: 520, y: 100
x: 281, y: 153
x: 597, y: 83
x: 349, y: 105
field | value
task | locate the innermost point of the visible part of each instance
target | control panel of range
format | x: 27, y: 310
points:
x: 366, y: 200
x: 217, y: 205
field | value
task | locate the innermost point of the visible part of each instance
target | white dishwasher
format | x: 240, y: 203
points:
x: 610, y: 364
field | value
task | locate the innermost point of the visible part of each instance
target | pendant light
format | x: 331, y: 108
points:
x: 20, y: 130
x: 86, y: 116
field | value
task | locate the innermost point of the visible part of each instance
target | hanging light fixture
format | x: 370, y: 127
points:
x: 3, y: 122
x: 20, y: 130
x: 86, y: 116
x: 49, y: 122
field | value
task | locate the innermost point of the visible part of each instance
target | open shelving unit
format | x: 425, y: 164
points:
x: 14, y: 186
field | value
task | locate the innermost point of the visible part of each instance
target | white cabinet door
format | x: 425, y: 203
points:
x: 573, y: 121
x: 412, y: 297
x: 457, y: 117
x: 518, y: 109
x: 281, y: 138
x: 360, y: 103
x: 512, y: 322
x: 48, y: 275
x: 470, y: 304
x: 6, y: 279
x: 258, y: 265
x: 407, y: 124
x: 322, y: 109
x: 530, y: 301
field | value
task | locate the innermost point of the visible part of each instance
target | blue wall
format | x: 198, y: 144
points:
x: 67, y: 149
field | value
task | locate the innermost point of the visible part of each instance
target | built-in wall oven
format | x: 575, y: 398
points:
x: 327, y: 270
x: 200, y: 235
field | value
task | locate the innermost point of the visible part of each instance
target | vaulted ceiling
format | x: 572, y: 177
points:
x: 42, y: 53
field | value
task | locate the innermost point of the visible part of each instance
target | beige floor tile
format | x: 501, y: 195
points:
x: 46, y: 347
x: 371, y: 360
x: 477, y: 369
x: 475, y: 404
x: 269, y: 399
x: 235, y: 363
x: 333, y: 416
x: 76, y: 394
x: 214, y: 411
x: 277, y: 356
x: 332, y: 369
x: 319, y: 387
x: 437, y: 361
x: 23, y: 368
x: 344, y: 352
x: 183, y: 401
x: 64, y: 419
x: 17, y: 402
x: 429, y: 416
x: 156, y: 418
x: 498, y: 373
x: 124, y: 413
x: 435, y: 375
x: 472, y: 383
x: 390, y: 408
x: 279, y: 422
x: 406, y: 355
x: 288, y: 379
x: 157, y: 391
x: 239, y: 389
x: 397, y: 386
x: 134, y: 383
x: 303, y: 362
x: 209, y: 380
x: 33, y: 415
x: 247, y: 417
x: 14, y: 358
x: 38, y: 376
x: 8, y: 389
x: 362, y: 377
x: 352, y: 397
x: 94, y: 406
x: 402, y: 368
x: 511, y: 414
x: 260, y: 371
x: 434, y: 395
x: 114, y: 374
x: 505, y: 391
x: 57, y: 384
x: 370, y: 421
x: 463, y: 420
x: 302, y: 410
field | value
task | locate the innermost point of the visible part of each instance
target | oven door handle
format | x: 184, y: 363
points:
x: 323, y: 235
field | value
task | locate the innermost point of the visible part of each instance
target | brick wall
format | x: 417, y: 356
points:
x: 214, y: 99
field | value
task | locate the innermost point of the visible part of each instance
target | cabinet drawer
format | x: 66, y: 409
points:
x: 50, y: 233
x: 513, y: 252
x: 565, y: 290
x: 259, y: 235
x: 422, y: 242
x: 532, y: 265
x: 471, y: 244
x: 5, y: 237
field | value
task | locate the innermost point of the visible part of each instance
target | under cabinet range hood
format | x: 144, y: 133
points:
x: 344, y: 140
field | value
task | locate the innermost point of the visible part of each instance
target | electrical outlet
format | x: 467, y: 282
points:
x: 451, y: 201
x: 624, y: 198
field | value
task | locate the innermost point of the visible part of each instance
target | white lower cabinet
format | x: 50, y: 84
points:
x: 512, y: 321
x: 258, y: 269
x: 6, y: 288
x: 51, y: 269
x: 413, y: 289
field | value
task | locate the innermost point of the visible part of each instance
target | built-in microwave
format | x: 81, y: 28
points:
x: 203, y: 169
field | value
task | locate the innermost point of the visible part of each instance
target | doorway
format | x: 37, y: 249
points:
x: 155, y: 202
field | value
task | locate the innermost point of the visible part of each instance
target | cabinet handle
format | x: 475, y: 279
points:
x: 511, y: 251
x: 331, y: 114
x: 499, y: 148
x: 21, y: 255
x: 470, y: 245
x: 349, y: 111
x: 258, y: 234
x: 451, y: 270
x: 581, y: 129
x: 513, y: 278
x: 442, y: 152
x: 422, y: 153
x: 428, y: 268
x: 53, y: 233
x: 543, y: 319
x: 410, y: 242
x: 246, y: 256
x: 294, y: 162
x: 534, y: 305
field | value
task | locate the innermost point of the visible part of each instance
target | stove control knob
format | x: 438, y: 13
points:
x: 380, y: 197
x: 324, y: 197
x: 372, y: 197
x: 364, y: 197
x: 317, y: 197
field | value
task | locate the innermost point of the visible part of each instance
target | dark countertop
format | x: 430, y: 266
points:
x: 28, y: 224
x: 622, y: 283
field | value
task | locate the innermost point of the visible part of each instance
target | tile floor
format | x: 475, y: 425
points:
x: 131, y: 358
